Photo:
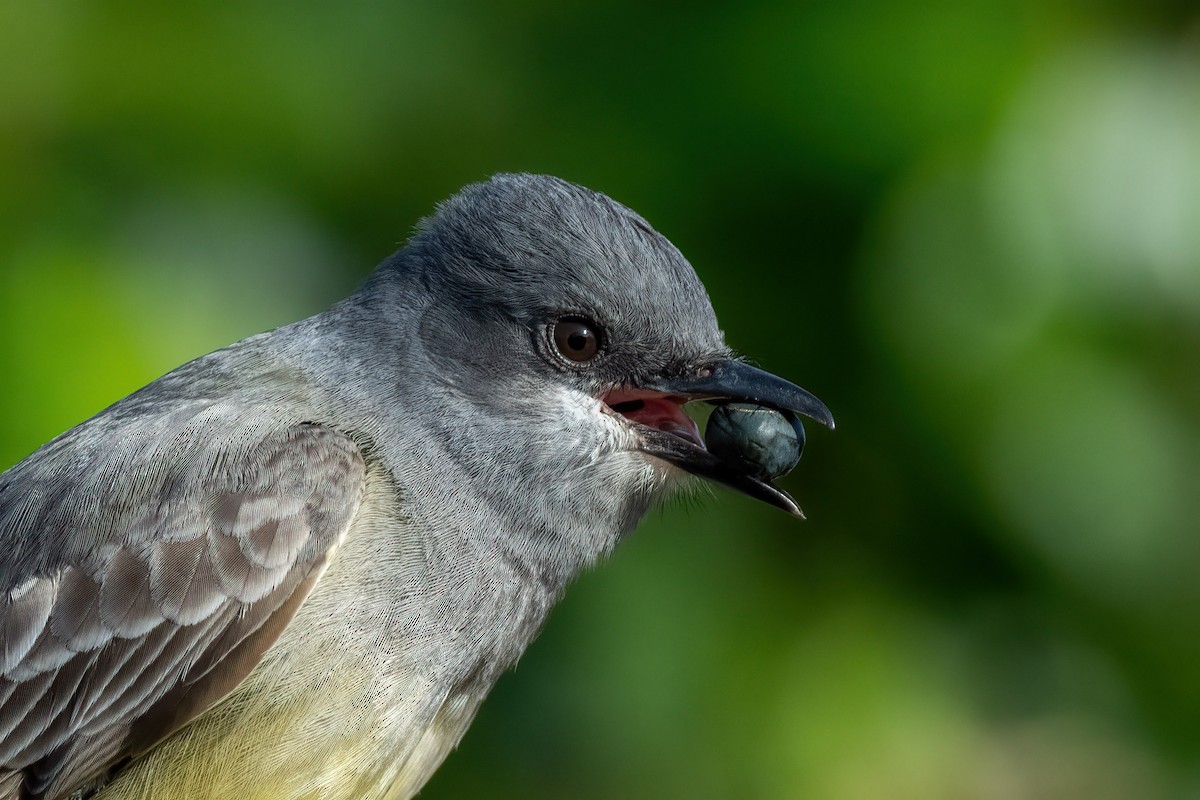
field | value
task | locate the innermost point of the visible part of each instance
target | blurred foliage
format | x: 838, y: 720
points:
x: 972, y: 228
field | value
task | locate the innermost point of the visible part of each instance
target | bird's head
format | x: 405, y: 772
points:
x: 560, y: 313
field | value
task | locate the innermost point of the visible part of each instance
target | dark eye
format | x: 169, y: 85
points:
x: 576, y: 339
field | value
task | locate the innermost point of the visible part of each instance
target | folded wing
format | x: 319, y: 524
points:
x: 145, y: 566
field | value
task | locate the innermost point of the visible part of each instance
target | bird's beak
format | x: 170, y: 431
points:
x: 657, y: 406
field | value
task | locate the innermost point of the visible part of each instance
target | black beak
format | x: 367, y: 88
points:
x: 737, y: 382
x: 733, y: 380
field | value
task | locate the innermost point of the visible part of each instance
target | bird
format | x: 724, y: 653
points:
x: 294, y: 567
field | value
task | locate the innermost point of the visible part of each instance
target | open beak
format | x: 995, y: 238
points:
x: 668, y: 433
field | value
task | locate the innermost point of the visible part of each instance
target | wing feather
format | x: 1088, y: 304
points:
x: 127, y: 606
x: 145, y: 579
x: 23, y: 615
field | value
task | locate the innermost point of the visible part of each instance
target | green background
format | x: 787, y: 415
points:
x: 972, y: 228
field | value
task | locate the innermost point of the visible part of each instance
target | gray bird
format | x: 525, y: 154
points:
x: 293, y: 568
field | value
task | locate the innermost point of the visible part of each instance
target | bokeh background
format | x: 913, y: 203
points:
x: 972, y: 228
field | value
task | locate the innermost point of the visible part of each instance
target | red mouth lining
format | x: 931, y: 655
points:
x: 656, y: 410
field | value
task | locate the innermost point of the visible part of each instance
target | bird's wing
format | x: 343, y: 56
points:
x: 144, y: 570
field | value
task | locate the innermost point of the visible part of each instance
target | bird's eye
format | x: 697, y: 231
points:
x: 576, y: 339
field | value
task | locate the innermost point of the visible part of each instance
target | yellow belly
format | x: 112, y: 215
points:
x: 328, y: 741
